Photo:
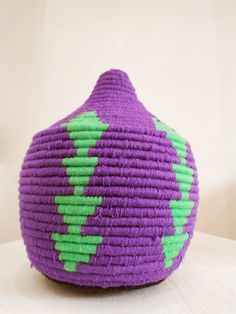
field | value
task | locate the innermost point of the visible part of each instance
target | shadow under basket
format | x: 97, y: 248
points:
x: 98, y: 289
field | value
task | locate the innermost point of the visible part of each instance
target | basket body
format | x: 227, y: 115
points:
x: 108, y: 195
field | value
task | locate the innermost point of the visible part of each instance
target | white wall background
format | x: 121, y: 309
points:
x: 180, y: 56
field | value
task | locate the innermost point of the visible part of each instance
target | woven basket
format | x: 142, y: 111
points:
x: 108, y: 195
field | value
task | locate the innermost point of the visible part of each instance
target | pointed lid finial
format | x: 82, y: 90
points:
x: 112, y: 84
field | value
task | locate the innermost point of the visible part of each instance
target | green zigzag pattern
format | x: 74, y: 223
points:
x: 73, y: 247
x: 180, y: 209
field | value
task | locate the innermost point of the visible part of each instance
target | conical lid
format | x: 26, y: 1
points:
x: 115, y: 102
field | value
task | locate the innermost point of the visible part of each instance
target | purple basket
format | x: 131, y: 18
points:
x: 108, y: 195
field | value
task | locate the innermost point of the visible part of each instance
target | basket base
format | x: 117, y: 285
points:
x: 88, y: 289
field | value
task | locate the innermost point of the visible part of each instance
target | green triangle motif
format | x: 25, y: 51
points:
x: 73, y: 247
x: 181, y: 209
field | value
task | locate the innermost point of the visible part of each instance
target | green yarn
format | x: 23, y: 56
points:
x: 75, y: 220
x: 76, y: 248
x: 182, y: 204
x: 79, y: 180
x: 74, y: 229
x: 85, y: 135
x: 175, y: 238
x: 73, y: 247
x: 80, y: 172
x: 75, y: 210
x: 182, y: 207
x: 73, y: 257
x: 72, y: 238
x: 86, y: 127
x: 80, y: 161
x: 78, y: 200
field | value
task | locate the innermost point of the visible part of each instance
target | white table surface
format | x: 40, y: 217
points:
x: 204, y: 283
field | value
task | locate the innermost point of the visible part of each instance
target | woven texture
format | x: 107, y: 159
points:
x: 108, y: 195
